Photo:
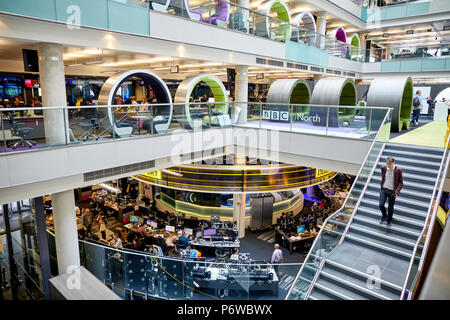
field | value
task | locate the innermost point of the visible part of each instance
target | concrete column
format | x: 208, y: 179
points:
x: 66, y: 237
x: 141, y: 190
x: 321, y: 26
x: 53, y: 85
x: 239, y: 213
x: 241, y: 90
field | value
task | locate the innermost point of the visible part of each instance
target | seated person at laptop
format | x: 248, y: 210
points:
x: 116, y: 242
x: 184, y: 239
x: 193, y: 253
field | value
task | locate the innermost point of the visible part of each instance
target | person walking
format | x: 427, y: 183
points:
x: 416, y: 108
x: 391, y: 184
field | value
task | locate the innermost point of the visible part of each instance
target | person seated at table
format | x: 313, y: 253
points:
x: 183, y: 239
x: 116, y: 242
x: 235, y: 255
x: 193, y: 253
x: 137, y: 244
x: 170, y: 242
x: 142, y: 231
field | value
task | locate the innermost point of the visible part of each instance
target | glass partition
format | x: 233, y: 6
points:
x: 25, y: 129
x: 335, y: 225
x: 135, y: 275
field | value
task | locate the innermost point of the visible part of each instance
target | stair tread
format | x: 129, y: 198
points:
x: 379, y: 242
x: 407, y: 153
x: 377, y: 213
x: 417, y: 149
x: 411, y: 176
x: 384, y: 232
x: 406, y: 184
x: 358, y: 284
x: 399, y: 208
x: 405, y: 190
x: 436, y: 163
x: 342, y: 292
x: 318, y: 295
x: 360, y: 258
x: 411, y: 168
x: 376, y: 244
x: 374, y: 222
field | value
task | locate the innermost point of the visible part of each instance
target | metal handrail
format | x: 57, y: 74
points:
x: 341, y: 208
x: 444, y: 166
x: 361, y: 195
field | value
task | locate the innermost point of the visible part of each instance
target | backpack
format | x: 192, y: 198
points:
x: 416, y: 101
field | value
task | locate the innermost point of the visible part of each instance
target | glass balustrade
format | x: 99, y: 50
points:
x: 135, y: 275
x: 25, y: 129
x: 334, y: 226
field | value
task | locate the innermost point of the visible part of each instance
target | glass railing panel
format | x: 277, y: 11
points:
x: 239, y: 19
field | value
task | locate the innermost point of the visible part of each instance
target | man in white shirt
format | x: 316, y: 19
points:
x: 116, y: 242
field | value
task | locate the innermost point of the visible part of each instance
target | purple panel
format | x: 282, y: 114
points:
x: 340, y: 35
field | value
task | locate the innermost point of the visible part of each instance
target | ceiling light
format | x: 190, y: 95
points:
x: 95, y: 62
x: 109, y: 188
x: 172, y: 173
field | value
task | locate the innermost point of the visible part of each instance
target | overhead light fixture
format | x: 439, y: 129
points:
x: 109, y: 188
x: 260, y: 76
x: 74, y: 65
x: 409, y: 31
x: 385, y: 35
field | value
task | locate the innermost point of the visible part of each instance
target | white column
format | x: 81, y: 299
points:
x: 322, y: 26
x: 245, y: 13
x: 66, y: 236
x: 53, y: 85
x: 239, y: 202
x: 241, y: 83
x: 239, y: 213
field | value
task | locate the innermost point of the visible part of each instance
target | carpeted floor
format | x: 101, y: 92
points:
x: 431, y: 134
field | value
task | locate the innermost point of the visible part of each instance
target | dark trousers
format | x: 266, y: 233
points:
x: 384, y: 194
x: 415, y: 115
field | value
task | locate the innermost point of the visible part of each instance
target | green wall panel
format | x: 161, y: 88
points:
x: 92, y: 13
x: 43, y: 9
x: 127, y: 18
x: 410, y: 65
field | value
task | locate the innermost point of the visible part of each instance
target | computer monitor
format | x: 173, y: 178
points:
x: 209, y: 232
x: 170, y: 228
x: 189, y: 231
x: 221, y: 232
x: 154, y: 224
x: 149, y: 222
x: 300, y: 229
x: 134, y: 219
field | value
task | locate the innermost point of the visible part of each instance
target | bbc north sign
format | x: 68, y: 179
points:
x: 277, y: 115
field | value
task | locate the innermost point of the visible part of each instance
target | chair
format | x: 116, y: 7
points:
x: 193, y: 14
x: 220, y: 18
x: 18, y: 130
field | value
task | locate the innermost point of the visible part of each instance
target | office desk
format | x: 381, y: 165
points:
x: 280, y: 236
x: 209, y: 247
x: 219, y: 280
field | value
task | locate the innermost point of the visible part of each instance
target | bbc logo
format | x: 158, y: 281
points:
x: 275, y: 115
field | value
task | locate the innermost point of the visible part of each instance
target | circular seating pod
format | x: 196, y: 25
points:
x: 335, y: 92
x: 395, y: 92
x: 183, y: 94
x: 290, y: 91
x: 108, y: 93
x: 339, y: 34
x: 355, y: 44
x: 263, y: 28
x: 306, y: 21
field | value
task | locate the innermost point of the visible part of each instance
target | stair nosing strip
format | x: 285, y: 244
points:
x: 355, y: 286
x: 411, y: 209
x: 331, y: 291
x: 400, y: 219
x: 424, y: 162
x: 413, y: 168
x: 383, y: 236
x: 384, y: 282
x: 425, y: 186
x: 358, y: 218
x: 395, y: 251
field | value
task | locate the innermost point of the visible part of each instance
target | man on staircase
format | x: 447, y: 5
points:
x: 391, y: 184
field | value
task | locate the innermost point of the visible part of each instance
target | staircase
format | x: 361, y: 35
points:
x: 373, y: 250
